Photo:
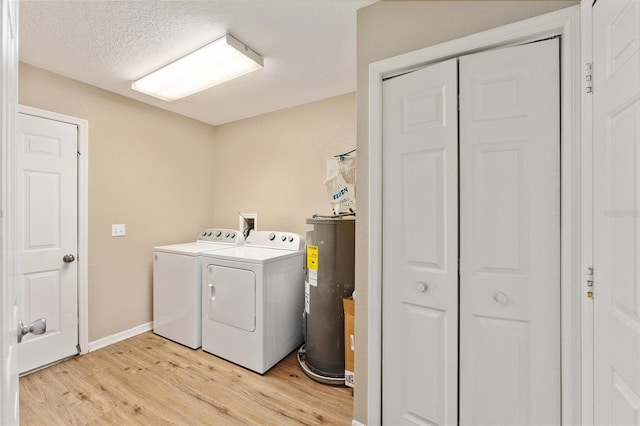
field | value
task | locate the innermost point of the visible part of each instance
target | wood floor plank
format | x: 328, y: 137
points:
x: 150, y: 380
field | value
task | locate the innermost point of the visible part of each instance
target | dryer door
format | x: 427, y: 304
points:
x: 231, y: 296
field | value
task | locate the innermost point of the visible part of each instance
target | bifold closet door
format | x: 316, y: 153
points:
x: 510, y: 236
x: 419, y: 239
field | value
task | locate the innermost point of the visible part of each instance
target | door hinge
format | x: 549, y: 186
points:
x: 590, y: 282
x: 588, y: 77
x: 78, y: 348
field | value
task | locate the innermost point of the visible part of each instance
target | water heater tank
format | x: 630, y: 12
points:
x: 329, y: 278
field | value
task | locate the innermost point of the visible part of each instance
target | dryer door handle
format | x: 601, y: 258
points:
x: 212, y: 292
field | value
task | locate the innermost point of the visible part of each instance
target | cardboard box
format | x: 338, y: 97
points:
x: 349, y: 340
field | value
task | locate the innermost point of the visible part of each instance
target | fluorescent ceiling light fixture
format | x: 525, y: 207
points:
x: 217, y: 62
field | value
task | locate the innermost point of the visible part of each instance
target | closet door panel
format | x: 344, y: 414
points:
x: 616, y: 210
x: 509, y: 236
x: 420, y: 223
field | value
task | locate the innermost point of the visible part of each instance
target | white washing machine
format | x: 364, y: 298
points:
x: 177, y: 282
x: 253, y: 298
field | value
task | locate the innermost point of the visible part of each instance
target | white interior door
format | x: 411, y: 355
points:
x: 8, y: 110
x: 46, y: 232
x: 616, y: 160
x: 510, y: 236
x: 420, y: 234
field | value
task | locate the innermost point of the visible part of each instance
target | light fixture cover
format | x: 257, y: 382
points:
x: 219, y: 61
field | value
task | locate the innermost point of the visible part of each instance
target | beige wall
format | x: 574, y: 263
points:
x: 148, y: 169
x: 167, y: 177
x: 275, y: 164
x: 388, y: 29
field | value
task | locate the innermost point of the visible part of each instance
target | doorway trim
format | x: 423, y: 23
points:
x: 83, y: 210
x: 566, y: 24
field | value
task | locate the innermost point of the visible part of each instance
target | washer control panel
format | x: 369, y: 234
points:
x: 220, y: 235
x: 276, y: 239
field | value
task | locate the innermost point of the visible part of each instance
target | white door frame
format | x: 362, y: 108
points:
x: 564, y: 23
x: 83, y: 190
x: 586, y: 166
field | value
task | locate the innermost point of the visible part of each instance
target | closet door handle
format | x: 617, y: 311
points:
x: 422, y: 286
x: 501, y: 298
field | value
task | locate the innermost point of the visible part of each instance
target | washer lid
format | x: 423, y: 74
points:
x: 252, y: 254
x: 192, y: 249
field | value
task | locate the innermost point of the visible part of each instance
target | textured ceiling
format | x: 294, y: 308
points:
x: 309, y: 48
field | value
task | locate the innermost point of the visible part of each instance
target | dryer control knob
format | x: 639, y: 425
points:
x: 290, y: 239
x: 284, y: 238
x: 228, y: 234
x: 233, y: 235
x: 218, y: 233
x: 272, y: 236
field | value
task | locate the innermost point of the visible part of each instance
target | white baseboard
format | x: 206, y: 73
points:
x: 115, y: 338
x: 356, y: 423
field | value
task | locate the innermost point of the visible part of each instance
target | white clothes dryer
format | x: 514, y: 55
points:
x: 177, y: 279
x: 253, y: 298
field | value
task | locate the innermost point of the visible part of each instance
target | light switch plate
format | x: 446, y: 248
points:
x: 118, y: 230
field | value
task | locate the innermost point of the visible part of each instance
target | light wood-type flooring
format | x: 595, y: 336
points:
x: 149, y: 380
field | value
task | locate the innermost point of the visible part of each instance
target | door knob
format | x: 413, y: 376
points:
x: 68, y: 258
x: 422, y: 286
x: 39, y: 326
x: 501, y: 298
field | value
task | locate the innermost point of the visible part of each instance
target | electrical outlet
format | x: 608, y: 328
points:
x: 118, y: 230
